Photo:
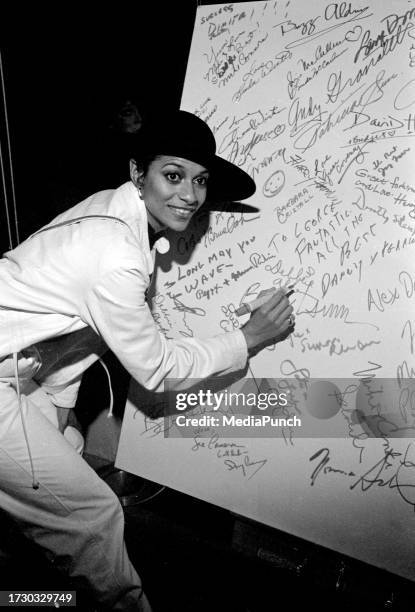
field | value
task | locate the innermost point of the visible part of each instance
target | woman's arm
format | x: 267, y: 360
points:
x: 116, y: 309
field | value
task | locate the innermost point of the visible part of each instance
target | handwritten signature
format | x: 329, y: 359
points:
x: 394, y: 470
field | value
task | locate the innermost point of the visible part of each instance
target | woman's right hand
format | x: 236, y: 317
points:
x: 270, y: 323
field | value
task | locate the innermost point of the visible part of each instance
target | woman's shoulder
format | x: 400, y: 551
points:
x: 97, y: 235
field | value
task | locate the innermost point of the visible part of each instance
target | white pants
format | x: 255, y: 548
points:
x: 73, y: 515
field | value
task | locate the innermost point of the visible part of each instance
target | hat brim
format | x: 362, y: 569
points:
x: 228, y: 182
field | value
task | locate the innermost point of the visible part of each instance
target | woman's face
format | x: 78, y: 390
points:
x: 173, y: 189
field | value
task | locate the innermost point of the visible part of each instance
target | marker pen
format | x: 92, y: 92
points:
x: 258, y: 302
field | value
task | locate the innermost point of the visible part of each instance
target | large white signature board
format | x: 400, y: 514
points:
x: 316, y: 100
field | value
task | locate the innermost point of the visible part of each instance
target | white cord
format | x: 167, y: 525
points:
x: 3, y: 89
x: 111, y: 408
x: 6, y: 124
x: 35, y: 483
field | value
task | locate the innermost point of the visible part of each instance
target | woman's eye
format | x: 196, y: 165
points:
x: 173, y: 177
x: 202, y: 180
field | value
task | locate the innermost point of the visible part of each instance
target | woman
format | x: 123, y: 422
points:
x: 77, y: 287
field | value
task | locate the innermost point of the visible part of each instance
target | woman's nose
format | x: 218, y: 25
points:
x: 187, y: 193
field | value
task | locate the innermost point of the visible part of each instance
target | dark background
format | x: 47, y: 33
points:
x: 65, y: 70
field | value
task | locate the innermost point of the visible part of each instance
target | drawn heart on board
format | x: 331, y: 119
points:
x: 354, y: 34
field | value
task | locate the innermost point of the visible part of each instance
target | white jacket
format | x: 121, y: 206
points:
x: 88, y: 279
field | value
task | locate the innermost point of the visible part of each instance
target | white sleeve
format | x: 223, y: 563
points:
x: 115, y: 307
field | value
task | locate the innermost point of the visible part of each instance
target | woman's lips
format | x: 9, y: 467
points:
x: 182, y: 212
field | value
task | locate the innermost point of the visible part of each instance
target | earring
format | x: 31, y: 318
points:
x: 140, y: 192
